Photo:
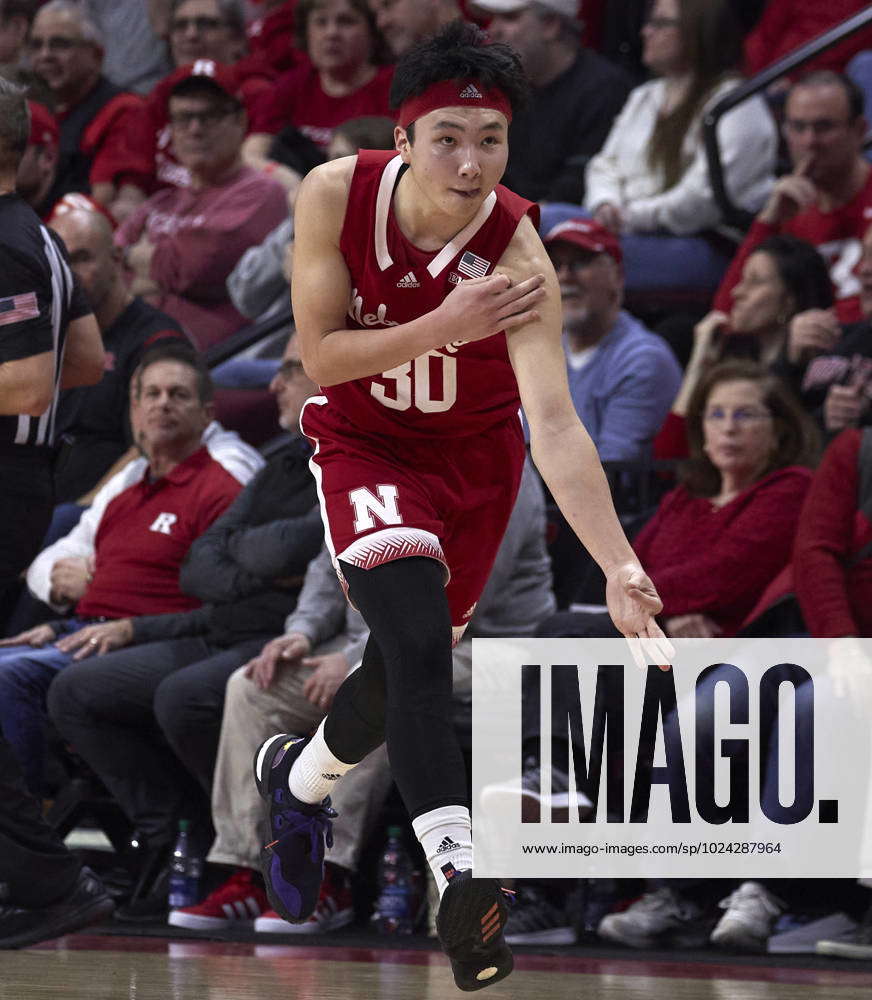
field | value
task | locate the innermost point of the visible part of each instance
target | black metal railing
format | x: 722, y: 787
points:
x: 731, y: 213
x: 247, y: 336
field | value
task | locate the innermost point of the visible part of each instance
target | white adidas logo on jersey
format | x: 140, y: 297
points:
x: 470, y: 93
x: 409, y: 281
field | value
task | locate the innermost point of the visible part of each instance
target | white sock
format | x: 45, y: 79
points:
x: 446, y: 836
x: 316, y: 770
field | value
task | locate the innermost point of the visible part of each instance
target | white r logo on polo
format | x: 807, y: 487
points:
x: 163, y: 523
x: 366, y: 504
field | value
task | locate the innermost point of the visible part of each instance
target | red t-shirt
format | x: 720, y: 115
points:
x: 718, y: 561
x: 462, y: 388
x: 837, y: 235
x: 145, y: 533
x: 299, y: 99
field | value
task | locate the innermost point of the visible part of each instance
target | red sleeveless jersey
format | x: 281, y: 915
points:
x: 459, y: 389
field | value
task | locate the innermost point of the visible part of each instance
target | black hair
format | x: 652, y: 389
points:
x: 802, y: 269
x: 460, y: 51
x: 176, y: 349
x: 830, y: 78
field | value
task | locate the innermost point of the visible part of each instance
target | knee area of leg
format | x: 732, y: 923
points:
x: 64, y: 697
x: 170, y: 704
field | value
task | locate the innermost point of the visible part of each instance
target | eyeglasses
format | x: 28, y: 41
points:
x: 55, y: 44
x: 208, y: 118
x: 742, y: 417
x: 821, y: 126
x: 661, y: 23
x: 200, y: 23
x: 291, y: 368
x: 579, y: 263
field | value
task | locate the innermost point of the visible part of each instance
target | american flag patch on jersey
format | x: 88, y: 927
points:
x: 473, y: 265
x: 16, y: 308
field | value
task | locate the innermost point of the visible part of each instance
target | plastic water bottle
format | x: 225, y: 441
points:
x: 395, y: 906
x: 185, y: 869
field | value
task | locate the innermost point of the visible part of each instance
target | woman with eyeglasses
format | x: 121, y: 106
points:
x: 652, y: 175
x: 718, y: 539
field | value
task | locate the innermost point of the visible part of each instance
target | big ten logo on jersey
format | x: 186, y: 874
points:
x: 378, y: 318
x: 163, y: 524
x: 366, y: 504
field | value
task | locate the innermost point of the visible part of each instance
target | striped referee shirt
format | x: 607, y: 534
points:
x: 39, y: 296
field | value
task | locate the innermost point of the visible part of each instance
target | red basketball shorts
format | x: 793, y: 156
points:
x: 388, y: 498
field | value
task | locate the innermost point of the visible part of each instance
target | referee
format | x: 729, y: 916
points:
x: 49, y: 340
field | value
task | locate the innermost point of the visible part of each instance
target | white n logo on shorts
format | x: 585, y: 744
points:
x: 365, y: 505
x: 164, y: 524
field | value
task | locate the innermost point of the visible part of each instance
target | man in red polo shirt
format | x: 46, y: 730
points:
x: 144, y: 536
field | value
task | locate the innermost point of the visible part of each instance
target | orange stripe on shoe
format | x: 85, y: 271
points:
x: 486, y: 937
x: 489, y: 913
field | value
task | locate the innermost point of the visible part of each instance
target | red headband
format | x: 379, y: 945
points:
x: 453, y: 94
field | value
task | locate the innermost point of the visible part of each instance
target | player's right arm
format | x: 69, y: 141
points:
x: 321, y: 293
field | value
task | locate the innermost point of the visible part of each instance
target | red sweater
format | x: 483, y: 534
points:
x: 835, y: 600
x: 145, y: 533
x: 718, y: 561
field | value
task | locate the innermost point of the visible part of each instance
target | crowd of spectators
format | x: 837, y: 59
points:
x: 180, y: 583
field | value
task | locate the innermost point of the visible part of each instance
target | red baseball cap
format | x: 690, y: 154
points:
x: 223, y: 77
x: 587, y: 234
x: 43, y: 126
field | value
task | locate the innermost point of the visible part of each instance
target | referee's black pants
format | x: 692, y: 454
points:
x: 26, y: 503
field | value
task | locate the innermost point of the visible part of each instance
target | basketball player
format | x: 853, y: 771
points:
x: 427, y: 310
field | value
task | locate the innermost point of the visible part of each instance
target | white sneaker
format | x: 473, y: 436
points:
x: 658, y: 919
x: 751, y: 915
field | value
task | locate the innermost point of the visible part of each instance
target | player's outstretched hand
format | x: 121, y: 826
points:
x: 633, y: 604
x: 481, y: 307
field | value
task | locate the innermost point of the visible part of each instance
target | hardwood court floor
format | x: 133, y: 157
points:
x: 92, y: 967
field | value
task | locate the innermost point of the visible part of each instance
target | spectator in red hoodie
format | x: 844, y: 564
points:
x: 182, y: 243
x: 827, y: 199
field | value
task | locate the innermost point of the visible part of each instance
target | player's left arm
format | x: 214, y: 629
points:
x: 561, y: 447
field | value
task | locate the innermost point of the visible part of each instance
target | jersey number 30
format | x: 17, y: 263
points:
x: 413, y: 386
